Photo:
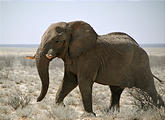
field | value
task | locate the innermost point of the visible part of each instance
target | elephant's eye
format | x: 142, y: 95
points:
x: 57, y: 41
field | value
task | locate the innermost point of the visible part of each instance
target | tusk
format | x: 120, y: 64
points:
x: 30, y: 57
x: 49, y: 56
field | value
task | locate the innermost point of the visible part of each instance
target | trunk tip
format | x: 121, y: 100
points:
x: 39, y: 99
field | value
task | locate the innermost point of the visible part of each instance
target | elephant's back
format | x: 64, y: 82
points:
x: 118, y: 37
x: 118, y: 43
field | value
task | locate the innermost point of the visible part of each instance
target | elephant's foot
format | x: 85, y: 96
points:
x: 160, y: 102
x: 88, y: 114
x: 114, y: 109
x: 60, y: 104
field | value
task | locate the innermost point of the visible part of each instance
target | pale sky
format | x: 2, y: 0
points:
x: 24, y: 22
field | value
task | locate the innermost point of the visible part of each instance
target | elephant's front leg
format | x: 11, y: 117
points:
x: 68, y: 84
x: 86, y: 92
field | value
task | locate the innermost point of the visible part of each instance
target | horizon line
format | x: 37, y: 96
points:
x: 36, y: 45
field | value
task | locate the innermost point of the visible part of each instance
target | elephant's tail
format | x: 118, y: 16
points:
x: 157, y: 79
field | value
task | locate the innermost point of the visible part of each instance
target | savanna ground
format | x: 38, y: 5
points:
x: 20, y: 86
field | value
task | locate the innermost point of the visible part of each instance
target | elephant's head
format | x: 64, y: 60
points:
x: 63, y: 40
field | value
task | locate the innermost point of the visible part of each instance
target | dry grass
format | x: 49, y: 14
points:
x: 20, y: 86
x: 18, y: 99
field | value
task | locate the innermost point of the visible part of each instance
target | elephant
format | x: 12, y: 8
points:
x: 114, y: 59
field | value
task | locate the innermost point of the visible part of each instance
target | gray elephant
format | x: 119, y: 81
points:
x: 114, y: 59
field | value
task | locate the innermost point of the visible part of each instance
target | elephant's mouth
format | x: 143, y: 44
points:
x: 50, y: 56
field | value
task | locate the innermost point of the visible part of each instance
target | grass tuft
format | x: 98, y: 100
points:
x: 63, y: 113
x: 19, y: 100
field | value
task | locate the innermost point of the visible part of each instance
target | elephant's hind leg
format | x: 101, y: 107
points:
x: 157, y: 100
x: 115, y: 98
x: 149, y: 87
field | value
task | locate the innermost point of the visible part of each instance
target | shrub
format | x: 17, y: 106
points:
x: 141, y: 99
x: 4, y: 74
x: 19, y: 100
x: 7, y: 61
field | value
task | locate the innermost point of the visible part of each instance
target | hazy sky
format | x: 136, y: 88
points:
x: 24, y: 22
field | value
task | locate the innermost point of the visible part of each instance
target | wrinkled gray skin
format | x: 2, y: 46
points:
x: 114, y: 59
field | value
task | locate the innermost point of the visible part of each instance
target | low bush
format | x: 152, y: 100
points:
x: 19, y: 99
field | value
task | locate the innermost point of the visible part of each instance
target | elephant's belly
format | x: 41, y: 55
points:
x: 109, y: 78
x: 115, y: 78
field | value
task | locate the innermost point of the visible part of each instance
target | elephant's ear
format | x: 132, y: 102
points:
x: 83, y: 37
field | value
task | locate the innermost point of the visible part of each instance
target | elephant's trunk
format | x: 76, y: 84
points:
x: 42, y: 64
